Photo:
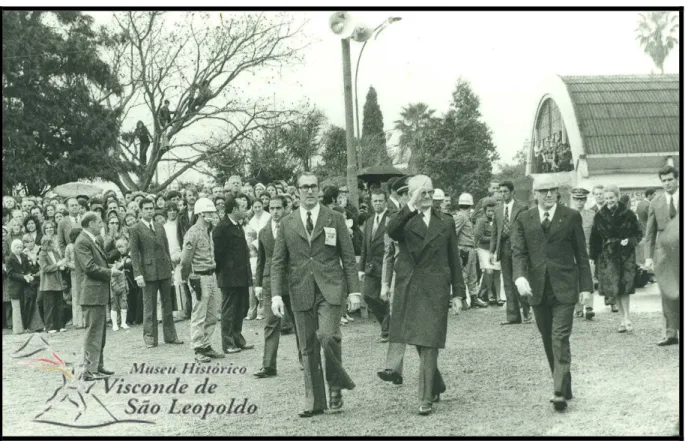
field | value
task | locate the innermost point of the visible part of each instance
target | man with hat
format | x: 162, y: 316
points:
x: 579, y: 198
x: 551, y: 266
x: 438, y: 197
x: 467, y: 249
x: 394, y: 361
x: 394, y: 199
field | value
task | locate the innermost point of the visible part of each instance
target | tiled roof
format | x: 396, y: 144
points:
x: 627, y: 113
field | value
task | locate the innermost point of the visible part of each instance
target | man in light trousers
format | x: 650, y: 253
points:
x: 198, y: 257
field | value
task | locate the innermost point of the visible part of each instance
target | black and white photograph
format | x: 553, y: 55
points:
x: 339, y: 220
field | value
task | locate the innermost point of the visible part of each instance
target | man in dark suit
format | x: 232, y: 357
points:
x: 500, y: 250
x: 94, y: 276
x: 234, y: 275
x: 152, y: 271
x: 314, y: 250
x: 272, y: 326
x: 642, y: 209
x: 427, y: 266
x: 663, y: 209
x: 371, y: 262
x: 67, y: 223
x: 549, y: 251
x: 394, y: 199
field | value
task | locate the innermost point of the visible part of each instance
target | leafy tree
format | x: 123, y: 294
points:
x: 657, y: 33
x: 373, y: 150
x: 459, y: 151
x: 301, y: 137
x: 334, y: 153
x: 416, y: 118
x: 510, y: 172
x: 269, y: 158
x: 202, y: 68
x: 53, y: 130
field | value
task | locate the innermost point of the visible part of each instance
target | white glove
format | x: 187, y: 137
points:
x: 649, y: 264
x: 361, y: 276
x: 354, y: 301
x: 140, y: 281
x: 523, y: 287
x: 277, y: 306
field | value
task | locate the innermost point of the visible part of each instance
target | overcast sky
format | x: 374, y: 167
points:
x: 504, y: 54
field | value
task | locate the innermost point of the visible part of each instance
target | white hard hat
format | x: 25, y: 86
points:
x: 204, y: 205
x: 438, y: 195
x: 465, y: 199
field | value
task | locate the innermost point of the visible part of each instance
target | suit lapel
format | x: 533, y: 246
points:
x: 299, y: 226
x: 324, y: 220
x: 556, y: 222
x: 381, y: 227
x: 418, y: 226
x: 537, y: 226
x: 434, y: 229
x: 95, y: 242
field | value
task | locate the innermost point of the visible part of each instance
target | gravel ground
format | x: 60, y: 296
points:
x: 497, y: 377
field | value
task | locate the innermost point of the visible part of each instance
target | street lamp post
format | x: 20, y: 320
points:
x: 342, y: 25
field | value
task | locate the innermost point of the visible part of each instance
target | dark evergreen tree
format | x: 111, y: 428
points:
x: 373, y: 150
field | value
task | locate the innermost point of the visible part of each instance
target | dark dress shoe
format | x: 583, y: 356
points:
x: 436, y: 398
x: 668, y: 341
x: 104, y: 371
x: 92, y: 376
x: 286, y: 331
x: 500, y: 303
x: 201, y: 357
x: 150, y: 345
x: 589, y: 314
x: 390, y: 375
x: 614, y: 308
x: 507, y: 322
x: 578, y: 314
x: 246, y: 347
x: 559, y: 403
x: 265, y: 372
x: 175, y: 342
x: 382, y: 340
x: 211, y: 353
x: 425, y: 409
x: 310, y: 413
x: 336, y: 401
x: 478, y: 303
x: 232, y: 350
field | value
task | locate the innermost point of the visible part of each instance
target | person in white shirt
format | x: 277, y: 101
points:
x: 175, y: 251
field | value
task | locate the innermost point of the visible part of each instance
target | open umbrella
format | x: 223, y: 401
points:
x: 74, y: 189
x: 379, y: 173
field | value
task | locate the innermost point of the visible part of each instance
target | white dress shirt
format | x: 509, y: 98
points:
x: 315, y: 214
x: 675, y: 196
x: 274, y: 229
x: 510, y: 207
x: 426, y: 213
x: 171, y: 229
x: 147, y: 224
x: 551, y: 212
x: 378, y: 217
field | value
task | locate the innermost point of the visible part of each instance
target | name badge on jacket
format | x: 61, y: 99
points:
x: 331, y: 237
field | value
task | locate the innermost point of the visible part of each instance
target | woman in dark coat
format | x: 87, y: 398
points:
x: 614, y: 236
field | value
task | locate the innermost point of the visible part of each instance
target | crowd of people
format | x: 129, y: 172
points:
x: 303, y: 259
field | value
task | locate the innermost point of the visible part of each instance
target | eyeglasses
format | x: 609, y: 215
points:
x: 547, y: 190
x: 114, y: 223
x: 309, y: 187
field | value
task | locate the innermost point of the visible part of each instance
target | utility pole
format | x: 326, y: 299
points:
x: 349, y: 126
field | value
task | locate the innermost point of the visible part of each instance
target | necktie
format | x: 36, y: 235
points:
x: 672, y: 210
x: 375, y: 226
x: 505, y: 224
x: 310, y: 224
x: 276, y: 231
x: 546, y: 222
x: 151, y: 227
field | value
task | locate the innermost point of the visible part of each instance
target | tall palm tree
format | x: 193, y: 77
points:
x: 415, y: 119
x: 656, y: 33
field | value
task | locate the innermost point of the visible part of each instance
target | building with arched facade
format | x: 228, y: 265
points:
x: 598, y: 130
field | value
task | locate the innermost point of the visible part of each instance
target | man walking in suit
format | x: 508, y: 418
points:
x: 68, y: 223
x: 642, y: 209
x: 94, y: 276
x: 371, y: 262
x: 152, y: 271
x: 500, y: 250
x: 234, y: 274
x: 272, y: 326
x: 394, y: 360
x: 663, y: 209
x: 549, y: 251
x: 427, y: 266
x: 314, y: 250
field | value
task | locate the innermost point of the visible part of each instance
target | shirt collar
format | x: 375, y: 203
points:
x: 380, y: 216
x: 551, y: 212
x: 91, y: 235
x: 314, y: 211
x: 674, y: 195
x: 232, y: 221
